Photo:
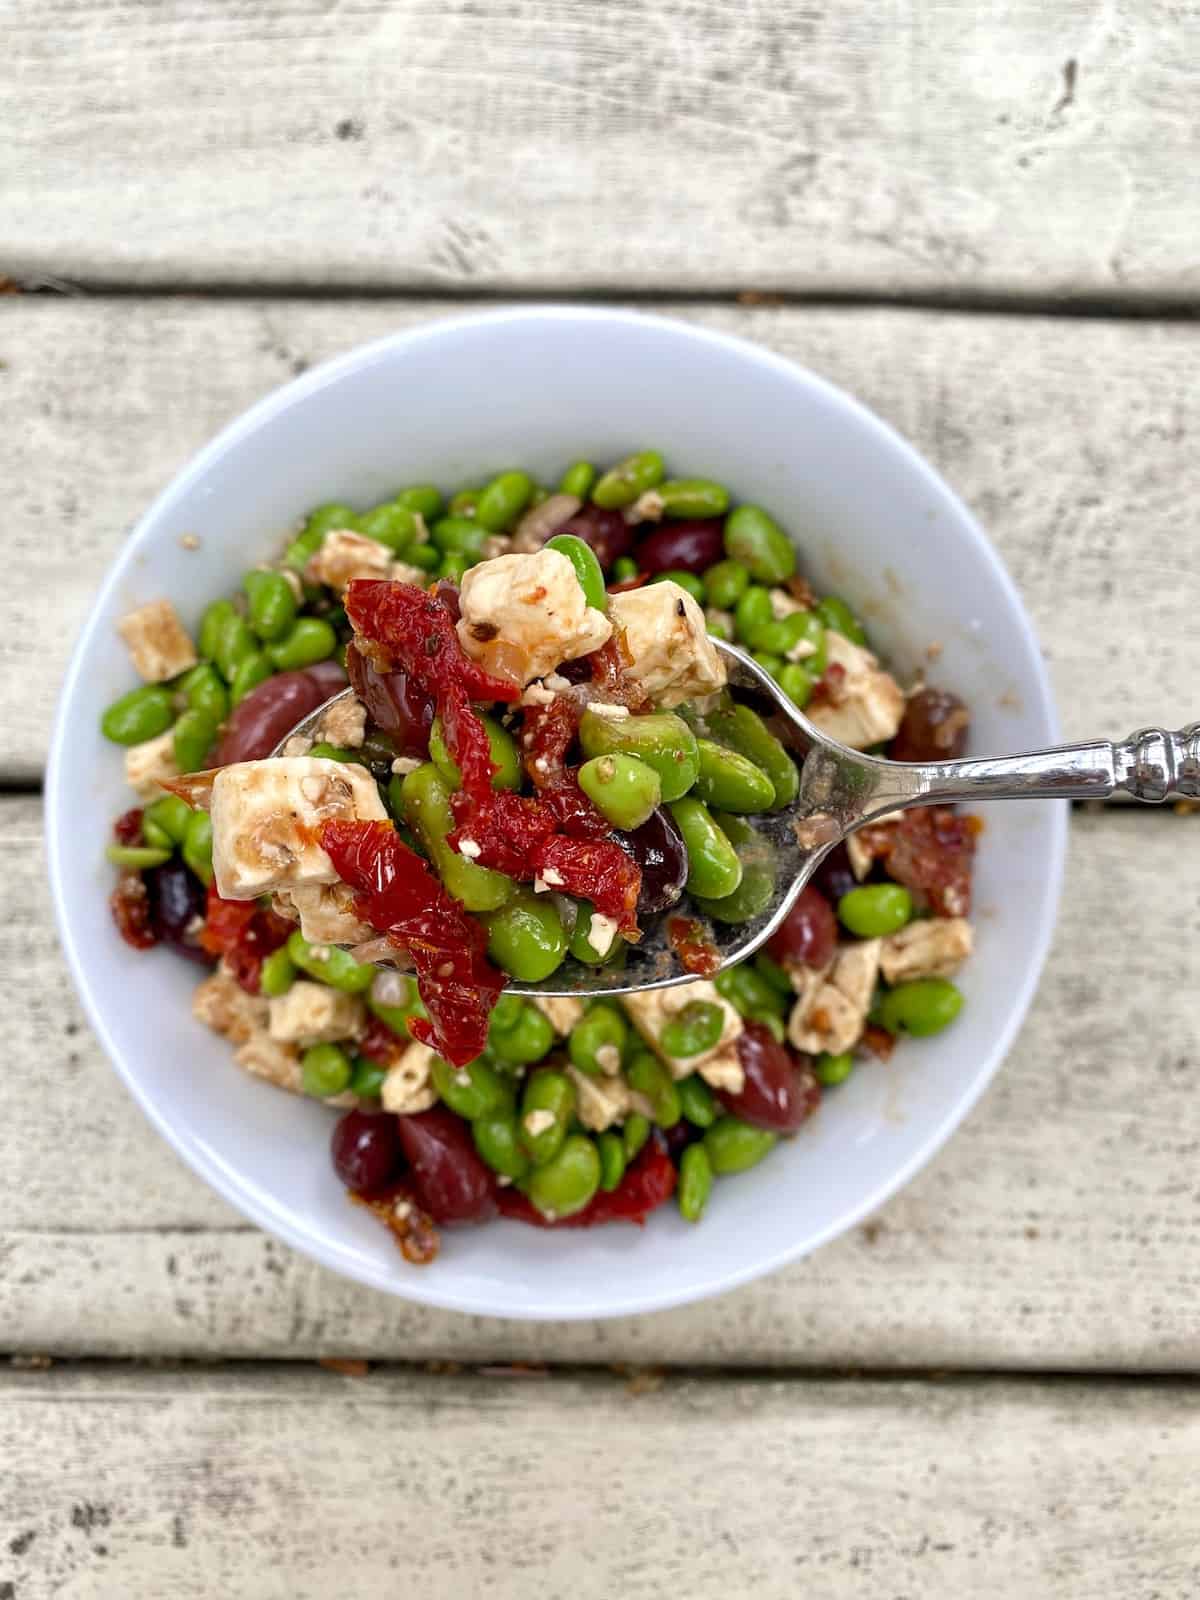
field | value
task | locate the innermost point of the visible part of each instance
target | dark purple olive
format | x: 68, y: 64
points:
x: 607, y: 532
x: 835, y: 877
x: 366, y: 1150
x: 934, y: 728
x: 678, y: 1137
x: 683, y: 547
x: 394, y: 703
x: 658, y: 848
x: 780, y: 1090
x: 177, y: 900
x: 271, y: 711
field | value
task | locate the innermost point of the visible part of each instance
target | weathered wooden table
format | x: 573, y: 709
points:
x: 982, y: 220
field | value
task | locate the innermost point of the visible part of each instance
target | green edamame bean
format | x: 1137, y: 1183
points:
x: 731, y: 781
x: 747, y: 991
x: 771, y: 972
x: 452, y: 566
x: 920, y: 1008
x: 580, y: 944
x: 836, y: 614
x: 475, y: 1090
x: 325, y: 1069
x: 193, y: 738
x: 699, y: 1103
x: 139, y: 715
x: 782, y: 635
x: 622, y: 788
x: 771, y: 1021
x: 503, y: 501
x: 424, y: 802
x: 756, y: 540
x: 155, y: 838
x: 753, y: 894
x: 366, y: 1078
x: 612, y: 1160
x: 874, y: 910
x: 527, y: 1040
x: 685, y: 580
x: 539, y: 494
x: 621, y: 485
x: 714, y: 870
x: 392, y: 525
x: 234, y: 643
x: 597, y: 1039
x: 463, y: 503
x: 272, y: 603
x: 578, y: 479
x: 695, y: 1182
x: 647, y: 1075
x: 425, y: 556
x: 752, y: 611
x: 459, y: 536
x: 624, y: 568
x: 547, y: 1107
x: 693, y: 497
x: 323, y: 751
x: 505, y: 758
x: 564, y: 1184
x: 831, y: 1070
x: 397, y: 1017
x: 661, y: 739
x: 526, y: 937
x: 330, y: 965
x: 717, y: 625
x: 204, y: 690
x: 302, y: 549
x: 498, y: 1142
x: 309, y: 640
x: 251, y: 672
x: 634, y: 1133
x: 773, y: 665
x: 744, y: 731
x: 278, y: 973
x: 334, y: 514
x: 197, y: 846
x: 796, y: 683
x: 212, y: 623
x: 506, y: 1013
x: 422, y: 498
x: 726, y: 583
x: 692, y: 1030
x: 587, y: 569
x: 136, y: 856
x: 170, y: 815
x: 734, y: 1146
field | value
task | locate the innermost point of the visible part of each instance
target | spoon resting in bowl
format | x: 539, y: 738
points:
x: 840, y: 791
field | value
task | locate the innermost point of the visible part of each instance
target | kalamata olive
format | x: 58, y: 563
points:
x: 835, y: 876
x: 809, y: 932
x: 269, y: 712
x: 658, y: 848
x: 366, y: 1150
x: 781, y: 1090
x: 447, y: 595
x: 448, y: 1178
x: 177, y: 900
x: 394, y: 703
x: 679, y: 1136
x: 682, y: 547
x: 934, y: 728
x: 607, y: 532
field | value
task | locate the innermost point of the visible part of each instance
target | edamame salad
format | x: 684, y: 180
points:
x: 541, y: 753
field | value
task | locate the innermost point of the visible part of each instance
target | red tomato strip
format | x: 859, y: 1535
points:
x: 243, y: 935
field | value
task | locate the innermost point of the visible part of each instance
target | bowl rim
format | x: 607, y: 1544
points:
x: 429, y: 1289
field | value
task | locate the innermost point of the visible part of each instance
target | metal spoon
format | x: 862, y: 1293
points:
x: 841, y: 790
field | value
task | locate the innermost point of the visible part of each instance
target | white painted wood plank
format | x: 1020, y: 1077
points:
x: 1059, y: 1229
x: 673, y: 144
x: 1073, y: 440
x: 296, y: 1485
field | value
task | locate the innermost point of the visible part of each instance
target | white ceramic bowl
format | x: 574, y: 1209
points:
x: 542, y: 386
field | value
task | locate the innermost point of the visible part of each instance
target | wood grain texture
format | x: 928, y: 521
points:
x: 1059, y: 1229
x: 1073, y: 440
x: 292, y: 1484
x: 649, y: 143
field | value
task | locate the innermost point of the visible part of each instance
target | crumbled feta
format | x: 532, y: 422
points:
x: 832, y: 1014
x: 535, y: 605
x: 221, y: 1004
x: 601, y: 1102
x: 343, y: 555
x: 648, y: 507
x: 266, y: 816
x: 469, y: 848
x: 408, y: 1087
x: 866, y: 705
x: 313, y: 1013
x: 601, y: 933
x: 345, y: 723
x: 562, y: 1013
x: 652, y: 1009
x: 671, y: 654
x: 934, y: 947
x: 150, y: 764
x: 601, y: 708
x: 403, y: 765
x: 325, y: 912
x: 535, y: 1122
x: 157, y: 641
x: 537, y: 694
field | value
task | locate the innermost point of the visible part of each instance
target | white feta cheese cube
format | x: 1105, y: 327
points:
x: 157, y: 641
x: 832, y: 1016
x: 408, y: 1087
x: 266, y: 817
x: 934, y: 947
x: 343, y: 555
x: 345, y: 724
x: 325, y: 912
x: 533, y: 604
x: 149, y: 765
x: 313, y: 1013
x: 601, y: 1102
x: 562, y: 1013
x: 671, y: 654
x: 866, y: 704
x: 651, y: 1010
x: 221, y: 1004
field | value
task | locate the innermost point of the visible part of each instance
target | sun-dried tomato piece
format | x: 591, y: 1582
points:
x: 380, y: 1043
x: 546, y: 735
x: 649, y: 1182
x: 243, y: 934
x: 931, y: 852
x: 830, y: 687
x: 507, y: 828
x: 127, y: 829
x: 399, y: 896
x: 878, y: 1041
x: 413, y: 1229
x: 130, y: 907
x: 694, y: 949
x: 610, y: 669
x: 593, y: 869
